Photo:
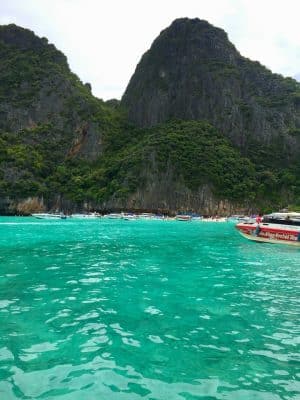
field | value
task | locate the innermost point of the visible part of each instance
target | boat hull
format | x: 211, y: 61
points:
x: 85, y: 216
x: 183, y: 218
x: 270, y: 233
x: 48, y: 216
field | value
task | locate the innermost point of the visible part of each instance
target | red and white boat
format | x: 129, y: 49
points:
x: 281, y: 228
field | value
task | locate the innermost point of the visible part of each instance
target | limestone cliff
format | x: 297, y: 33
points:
x: 47, y: 116
x: 187, y: 135
x: 193, y: 72
x: 37, y: 88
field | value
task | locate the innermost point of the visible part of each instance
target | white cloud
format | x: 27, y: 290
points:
x: 104, y: 40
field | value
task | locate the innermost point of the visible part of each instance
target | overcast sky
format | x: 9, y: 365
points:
x: 105, y: 39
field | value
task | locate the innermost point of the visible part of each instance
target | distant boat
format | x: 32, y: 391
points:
x: 129, y: 217
x: 281, y: 228
x: 239, y: 218
x: 183, y: 217
x: 159, y: 217
x: 49, y: 216
x: 145, y: 216
x: 214, y: 219
x: 197, y: 218
x: 86, y: 216
x: 114, y: 216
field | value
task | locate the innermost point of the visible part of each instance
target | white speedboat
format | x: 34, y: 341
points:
x: 129, y: 217
x: 145, y: 216
x: 183, y: 217
x: 281, y: 228
x: 197, y: 218
x: 86, y: 216
x: 49, y: 215
x: 239, y: 218
x: 114, y: 216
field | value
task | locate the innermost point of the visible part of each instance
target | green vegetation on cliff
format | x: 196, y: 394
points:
x: 57, y: 141
x: 193, y: 72
x: 193, y: 151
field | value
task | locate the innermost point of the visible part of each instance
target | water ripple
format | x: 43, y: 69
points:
x: 111, y: 310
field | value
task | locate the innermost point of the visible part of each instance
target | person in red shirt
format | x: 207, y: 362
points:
x: 258, y: 219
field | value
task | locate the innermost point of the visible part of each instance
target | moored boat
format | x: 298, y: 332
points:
x: 86, y: 216
x: 114, y: 215
x: 129, y: 216
x: 145, y: 216
x: 183, y: 217
x: 239, y: 218
x: 281, y: 228
x: 49, y: 215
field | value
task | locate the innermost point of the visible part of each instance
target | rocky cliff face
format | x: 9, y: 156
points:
x: 48, y: 118
x: 37, y: 88
x: 193, y: 72
x: 163, y: 193
x: 61, y: 148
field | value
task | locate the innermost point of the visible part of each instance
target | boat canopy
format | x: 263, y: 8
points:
x: 287, y: 218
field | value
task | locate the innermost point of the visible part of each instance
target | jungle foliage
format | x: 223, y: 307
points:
x: 38, y: 161
x: 197, y: 154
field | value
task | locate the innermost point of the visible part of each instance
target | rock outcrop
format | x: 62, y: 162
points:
x: 199, y: 128
x: 193, y: 72
x: 38, y: 88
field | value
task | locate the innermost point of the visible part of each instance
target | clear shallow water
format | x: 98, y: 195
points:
x: 150, y: 310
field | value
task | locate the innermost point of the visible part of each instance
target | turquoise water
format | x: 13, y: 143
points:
x: 156, y: 310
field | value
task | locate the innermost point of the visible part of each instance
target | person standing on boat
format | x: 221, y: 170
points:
x: 258, y: 219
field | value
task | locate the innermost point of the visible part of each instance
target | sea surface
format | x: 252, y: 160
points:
x: 157, y: 310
